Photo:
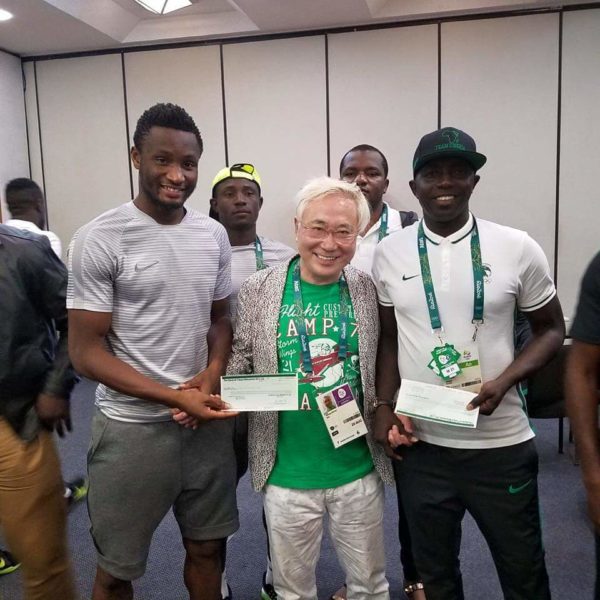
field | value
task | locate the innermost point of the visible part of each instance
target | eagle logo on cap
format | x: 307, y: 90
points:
x: 451, y: 135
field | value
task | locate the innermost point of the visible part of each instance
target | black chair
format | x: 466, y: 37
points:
x: 545, y: 393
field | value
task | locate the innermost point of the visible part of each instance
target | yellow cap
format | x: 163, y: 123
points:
x: 237, y: 171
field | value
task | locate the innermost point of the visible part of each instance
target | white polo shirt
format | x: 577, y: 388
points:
x: 365, y: 245
x: 517, y: 274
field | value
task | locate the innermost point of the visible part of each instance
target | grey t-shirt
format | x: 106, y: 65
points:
x: 159, y: 282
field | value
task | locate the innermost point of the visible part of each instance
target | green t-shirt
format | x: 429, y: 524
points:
x: 306, y: 457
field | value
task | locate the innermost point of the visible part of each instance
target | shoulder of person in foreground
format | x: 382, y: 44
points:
x: 408, y: 217
x: 586, y: 324
x: 35, y: 259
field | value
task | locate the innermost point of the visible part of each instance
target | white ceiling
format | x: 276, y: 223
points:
x: 55, y: 26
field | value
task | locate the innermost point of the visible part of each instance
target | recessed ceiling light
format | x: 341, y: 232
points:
x: 5, y: 15
x: 162, y: 7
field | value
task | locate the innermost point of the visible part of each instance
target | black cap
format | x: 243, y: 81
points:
x: 447, y: 142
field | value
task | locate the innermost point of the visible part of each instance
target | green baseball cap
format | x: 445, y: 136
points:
x: 447, y: 142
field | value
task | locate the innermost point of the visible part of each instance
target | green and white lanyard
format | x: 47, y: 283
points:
x: 258, y: 253
x: 301, y: 325
x: 383, y: 226
x: 478, y: 292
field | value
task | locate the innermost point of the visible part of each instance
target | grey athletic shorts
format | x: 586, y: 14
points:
x: 137, y: 471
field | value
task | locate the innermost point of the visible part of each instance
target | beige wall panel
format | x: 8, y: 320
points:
x: 190, y: 77
x: 13, y: 136
x: 84, y: 146
x: 500, y: 84
x: 276, y: 119
x: 383, y: 91
x: 580, y: 131
x: 35, y: 149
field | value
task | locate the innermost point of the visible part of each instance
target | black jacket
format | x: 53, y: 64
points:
x: 33, y: 324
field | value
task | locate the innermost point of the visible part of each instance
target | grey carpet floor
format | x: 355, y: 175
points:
x: 567, y: 535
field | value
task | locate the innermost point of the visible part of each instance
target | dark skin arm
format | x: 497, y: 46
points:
x: 91, y: 358
x: 390, y: 430
x: 219, y: 339
x: 581, y: 388
x: 54, y: 413
x: 548, y: 333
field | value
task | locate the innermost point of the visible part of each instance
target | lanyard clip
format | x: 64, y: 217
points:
x: 477, y: 323
x: 438, y: 332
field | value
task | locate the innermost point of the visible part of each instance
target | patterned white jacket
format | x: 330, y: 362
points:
x: 255, y: 351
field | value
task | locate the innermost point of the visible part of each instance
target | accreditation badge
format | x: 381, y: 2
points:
x: 445, y: 362
x: 469, y: 379
x: 341, y: 415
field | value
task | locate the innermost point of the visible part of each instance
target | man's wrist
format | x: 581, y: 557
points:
x: 175, y: 399
x: 216, y: 367
x: 381, y: 402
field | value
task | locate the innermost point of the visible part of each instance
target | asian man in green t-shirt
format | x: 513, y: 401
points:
x: 316, y: 317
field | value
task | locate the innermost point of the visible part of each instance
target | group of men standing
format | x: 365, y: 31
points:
x: 152, y: 296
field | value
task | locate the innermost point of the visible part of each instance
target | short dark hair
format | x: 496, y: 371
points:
x: 22, y: 193
x: 165, y: 115
x: 367, y: 148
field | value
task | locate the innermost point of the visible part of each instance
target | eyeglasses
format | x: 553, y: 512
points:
x: 316, y: 232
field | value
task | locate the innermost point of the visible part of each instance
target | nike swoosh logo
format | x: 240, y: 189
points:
x: 405, y: 278
x: 516, y: 489
x: 139, y: 268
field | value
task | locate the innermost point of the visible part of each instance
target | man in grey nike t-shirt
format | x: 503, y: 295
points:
x: 149, y: 315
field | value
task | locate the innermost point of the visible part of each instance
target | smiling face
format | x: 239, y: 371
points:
x: 322, y: 260
x: 168, y: 171
x: 237, y: 202
x: 365, y: 168
x: 443, y: 187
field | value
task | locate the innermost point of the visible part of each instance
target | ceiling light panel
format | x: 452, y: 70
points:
x: 162, y: 7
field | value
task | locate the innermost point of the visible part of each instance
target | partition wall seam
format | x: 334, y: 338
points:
x: 558, y: 134
x: 26, y: 118
x: 226, y: 146
x: 327, y: 121
x: 126, y: 123
x: 439, y: 74
x: 37, y: 106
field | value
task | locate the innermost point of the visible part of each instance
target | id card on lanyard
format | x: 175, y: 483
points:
x: 341, y: 414
x: 458, y: 366
x: 338, y: 407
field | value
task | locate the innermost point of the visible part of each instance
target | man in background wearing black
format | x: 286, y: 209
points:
x: 36, y: 380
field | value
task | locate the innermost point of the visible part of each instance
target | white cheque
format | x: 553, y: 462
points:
x: 436, y: 403
x: 254, y: 393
